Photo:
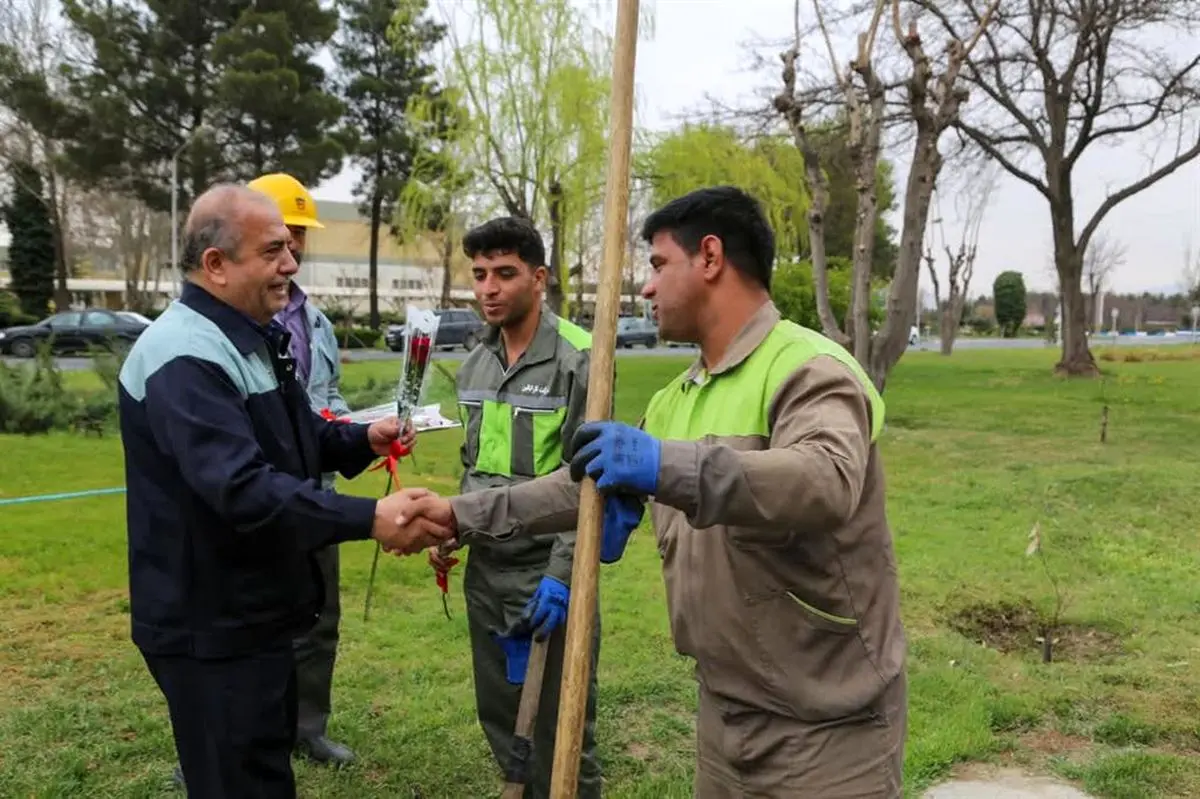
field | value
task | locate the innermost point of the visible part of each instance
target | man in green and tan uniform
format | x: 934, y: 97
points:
x: 768, y: 506
x: 521, y: 394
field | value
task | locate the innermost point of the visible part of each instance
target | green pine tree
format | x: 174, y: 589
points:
x: 31, y: 249
x: 229, y: 88
x: 144, y: 91
x: 274, y: 113
x: 383, y: 55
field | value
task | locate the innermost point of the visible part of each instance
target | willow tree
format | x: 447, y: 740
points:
x: 442, y: 190
x: 534, y: 76
x: 707, y: 154
x: 699, y: 155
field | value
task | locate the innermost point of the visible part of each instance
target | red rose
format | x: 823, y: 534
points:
x: 421, y: 347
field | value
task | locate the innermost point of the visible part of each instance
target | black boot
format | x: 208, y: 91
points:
x: 320, y: 749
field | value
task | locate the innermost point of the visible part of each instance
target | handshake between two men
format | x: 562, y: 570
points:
x: 407, y: 522
x: 622, y: 460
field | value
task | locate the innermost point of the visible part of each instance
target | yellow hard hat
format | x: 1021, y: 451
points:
x: 295, y: 203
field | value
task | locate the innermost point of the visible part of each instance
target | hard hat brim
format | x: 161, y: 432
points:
x: 302, y: 221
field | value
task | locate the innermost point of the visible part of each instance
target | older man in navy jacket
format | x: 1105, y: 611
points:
x: 225, y: 508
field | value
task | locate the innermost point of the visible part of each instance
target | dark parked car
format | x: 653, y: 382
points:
x: 637, y: 330
x: 457, y: 327
x: 74, y: 331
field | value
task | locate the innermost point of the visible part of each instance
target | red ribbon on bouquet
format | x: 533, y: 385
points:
x: 443, y: 582
x: 396, y: 451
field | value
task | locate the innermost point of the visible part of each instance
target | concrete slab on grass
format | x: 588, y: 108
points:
x: 1005, y: 784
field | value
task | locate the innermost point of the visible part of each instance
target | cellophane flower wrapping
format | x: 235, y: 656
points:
x: 420, y: 334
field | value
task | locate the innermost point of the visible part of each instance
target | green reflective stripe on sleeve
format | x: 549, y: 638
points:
x: 547, y: 440
x: 495, y: 439
x: 575, y: 335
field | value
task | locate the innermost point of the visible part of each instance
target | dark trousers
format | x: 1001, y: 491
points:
x: 234, y: 722
x: 495, y: 599
x: 316, y: 652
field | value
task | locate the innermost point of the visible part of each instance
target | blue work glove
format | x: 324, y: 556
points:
x: 617, y: 456
x: 547, y: 609
x: 516, y: 655
x: 622, y: 513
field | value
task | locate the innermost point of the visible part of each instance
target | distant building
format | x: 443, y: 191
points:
x: 335, y: 271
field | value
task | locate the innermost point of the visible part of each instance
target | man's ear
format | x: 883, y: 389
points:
x: 541, y: 276
x: 712, y: 253
x: 214, y: 266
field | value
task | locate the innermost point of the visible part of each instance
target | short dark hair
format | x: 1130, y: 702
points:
x: 506, y: 234
x: 728, y: 213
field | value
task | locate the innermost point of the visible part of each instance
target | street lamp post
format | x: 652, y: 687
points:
x: 1195, y: 319
x: 1115, y: 314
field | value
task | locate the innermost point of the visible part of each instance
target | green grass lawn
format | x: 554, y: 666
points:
x: 979, y: 449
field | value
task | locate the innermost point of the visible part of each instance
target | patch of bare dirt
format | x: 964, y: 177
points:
x: 1018, y: 627
x: 39, y: 637
x: 640, y: 751
x: 1053, y: 743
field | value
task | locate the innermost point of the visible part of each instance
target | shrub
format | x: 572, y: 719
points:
x: 11, y: 314
x: 1171, y: 352
x: 793, y: 291
x: 981, y: 325
x: 352, y: 338
x: 33, y: 398
x: 1008, y: 291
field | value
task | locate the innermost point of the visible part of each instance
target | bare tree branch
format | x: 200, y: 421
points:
x: 790, y: 106
x: 1061, y: 78
x: 1102, y: 257
x: 925, y: 98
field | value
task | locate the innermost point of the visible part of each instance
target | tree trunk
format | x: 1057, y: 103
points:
x: 373, y: 279
x: 865, y: 161
x: 947, y: 329
x: 555, y: 296
x: 447, y: 261
x: 892, y: 340
x: 62, y: 296
x: 951, y: 318
x: 58, y: 204
x: 1076, y: 360
x: 818, y: 201
x: 579, y: 293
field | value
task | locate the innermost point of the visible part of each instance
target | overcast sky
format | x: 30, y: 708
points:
x: 698, y: 46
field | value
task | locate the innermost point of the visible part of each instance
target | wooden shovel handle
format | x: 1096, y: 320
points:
x: 531, y: 694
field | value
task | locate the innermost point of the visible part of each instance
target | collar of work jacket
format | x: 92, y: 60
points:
x: 245, y: 334
x: 756, y: 329
x: 544, y: 346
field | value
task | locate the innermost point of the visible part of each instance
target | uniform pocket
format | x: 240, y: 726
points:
x: 823, y: 620
x: 812, y: 658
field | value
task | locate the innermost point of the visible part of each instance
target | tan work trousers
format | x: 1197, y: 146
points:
x: 745, y: 752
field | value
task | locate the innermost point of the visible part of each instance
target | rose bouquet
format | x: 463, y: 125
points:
x: 419, y: 335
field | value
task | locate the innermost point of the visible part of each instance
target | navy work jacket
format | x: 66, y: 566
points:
x: 223, y: 461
